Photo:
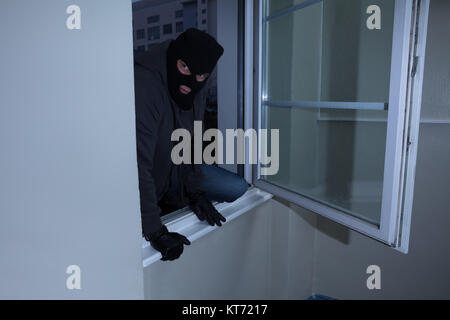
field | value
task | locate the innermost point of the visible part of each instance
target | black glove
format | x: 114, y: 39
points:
x: 170, y: 244
x: 204, y: 210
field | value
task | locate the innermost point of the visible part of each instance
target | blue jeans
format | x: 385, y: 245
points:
x: 219, y: 184
x: 222, y: 185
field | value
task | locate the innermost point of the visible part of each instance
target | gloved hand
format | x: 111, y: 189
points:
x: 204, y: 210
x: 170, y: 244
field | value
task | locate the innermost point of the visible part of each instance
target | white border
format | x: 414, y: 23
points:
x: 396, y: 119
x: 248, y: 79
x: 416, y: 102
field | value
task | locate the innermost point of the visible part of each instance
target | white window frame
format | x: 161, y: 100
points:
x: 401, y: 143
x: 187, y: 223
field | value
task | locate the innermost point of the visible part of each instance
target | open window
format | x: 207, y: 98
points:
x: 342, y: 81
x: 158, y: 21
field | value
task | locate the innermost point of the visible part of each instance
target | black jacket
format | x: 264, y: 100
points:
x: 157, y: 115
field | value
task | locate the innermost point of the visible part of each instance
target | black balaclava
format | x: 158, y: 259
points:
x: 200, y: 52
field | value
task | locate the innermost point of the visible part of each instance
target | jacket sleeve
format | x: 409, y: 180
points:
x: 147, y: 123
x: 194, y: 175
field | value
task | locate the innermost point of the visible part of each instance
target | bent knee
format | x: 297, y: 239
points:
x: 238, y: 189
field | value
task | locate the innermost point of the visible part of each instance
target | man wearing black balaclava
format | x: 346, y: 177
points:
x: 170, y: 80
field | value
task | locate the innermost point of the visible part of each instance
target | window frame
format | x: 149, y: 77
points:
x: 186, y: 222
x: 153, y: 19
x: 397, y: 190
x: 138, y: 33
x: 179, y: 24
x: 179, y: 14
x: 167, y: 28
x: 149, y: 32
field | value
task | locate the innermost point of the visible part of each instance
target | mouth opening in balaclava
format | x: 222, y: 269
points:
x: 200, y: 52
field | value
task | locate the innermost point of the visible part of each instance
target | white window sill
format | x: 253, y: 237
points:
x: 190, y: 226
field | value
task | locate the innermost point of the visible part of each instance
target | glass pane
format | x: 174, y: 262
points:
x: 293, y: 55
x: 355, y: 59
x: 325, y: 52
x: 275, y: 6
x: 339, y: 163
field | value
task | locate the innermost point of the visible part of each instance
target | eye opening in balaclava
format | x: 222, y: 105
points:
x: 200, y: 52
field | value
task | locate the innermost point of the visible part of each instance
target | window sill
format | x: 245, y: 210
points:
x: 191, y: 227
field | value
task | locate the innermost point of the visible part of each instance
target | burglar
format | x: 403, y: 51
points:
x: 170, y: 80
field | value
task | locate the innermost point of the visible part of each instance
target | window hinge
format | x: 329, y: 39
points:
x: 414, y: 66
x: 408, y: 143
